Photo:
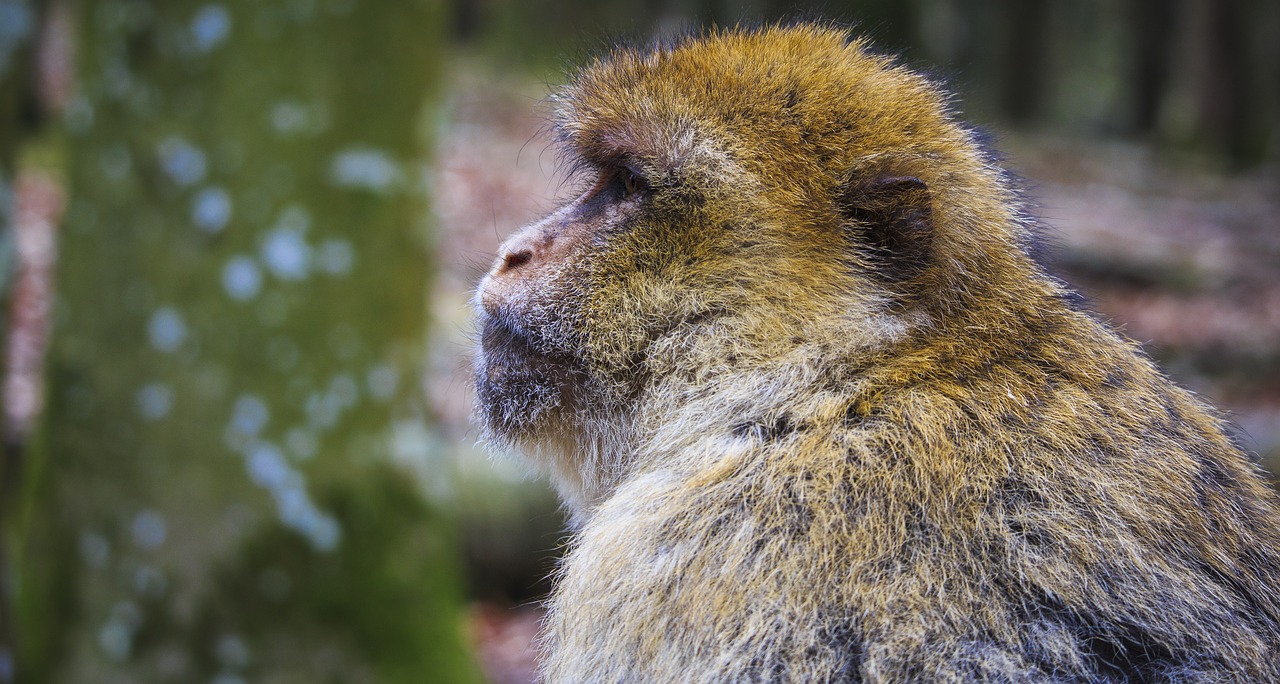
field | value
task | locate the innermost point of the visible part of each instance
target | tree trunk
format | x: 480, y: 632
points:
x: 237, y: 353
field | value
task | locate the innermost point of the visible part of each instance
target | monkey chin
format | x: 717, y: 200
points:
x: 546, y: 406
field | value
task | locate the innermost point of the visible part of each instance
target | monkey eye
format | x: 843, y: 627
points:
x: 632, y: 183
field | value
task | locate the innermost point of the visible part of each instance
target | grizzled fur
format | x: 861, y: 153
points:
x: 819, y: 417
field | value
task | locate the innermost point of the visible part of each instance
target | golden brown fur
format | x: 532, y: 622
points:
x: 819, y: 417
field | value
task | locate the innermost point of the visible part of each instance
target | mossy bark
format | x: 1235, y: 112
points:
x: 237, y: 346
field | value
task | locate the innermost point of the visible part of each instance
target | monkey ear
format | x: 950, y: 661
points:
x: 890, y: 220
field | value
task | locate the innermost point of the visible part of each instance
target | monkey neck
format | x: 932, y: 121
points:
x: 707, y: 394
x: 587, y: 458
x: 698, y: 386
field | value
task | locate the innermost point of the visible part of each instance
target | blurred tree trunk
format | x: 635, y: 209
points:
x: 467, y: 17
x: 1223, y: 92
x: 235, y: 363
x: 1151, y: 29
x: 1026, y: 72
x: 1228, y: 106
x: 890, y: 24
x: 19, y: 23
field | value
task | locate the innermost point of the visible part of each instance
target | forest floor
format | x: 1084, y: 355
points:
x: 1184, y: 260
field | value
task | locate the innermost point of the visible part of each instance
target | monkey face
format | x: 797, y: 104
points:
x: 533, y: 370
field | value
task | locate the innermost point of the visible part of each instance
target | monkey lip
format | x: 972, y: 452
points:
x: 498, y: 339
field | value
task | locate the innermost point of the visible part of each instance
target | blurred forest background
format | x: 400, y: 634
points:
x: 237, y: 239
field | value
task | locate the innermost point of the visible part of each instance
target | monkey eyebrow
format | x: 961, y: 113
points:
x: 576, y: 166
x: 589, y: 166
x: 579, y: 166
x: 615, y: 162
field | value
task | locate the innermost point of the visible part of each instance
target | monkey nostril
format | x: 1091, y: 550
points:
x: 516, y: 259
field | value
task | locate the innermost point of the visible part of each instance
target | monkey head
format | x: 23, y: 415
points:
x: 747, y: 195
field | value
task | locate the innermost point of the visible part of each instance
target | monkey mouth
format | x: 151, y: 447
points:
x: 519, y: 386
x: 504, y: 345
